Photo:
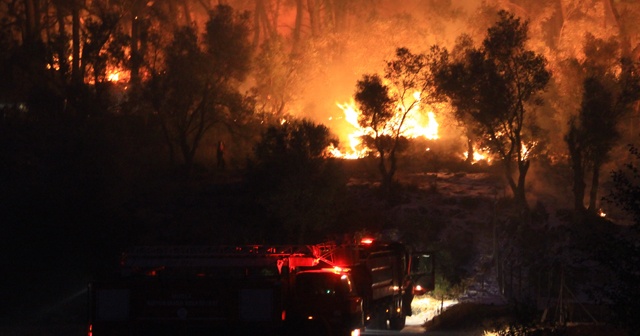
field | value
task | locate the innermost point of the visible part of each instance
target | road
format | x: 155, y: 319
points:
x: 416, y: 330
x: 424, y: 308
x: 407, y: 331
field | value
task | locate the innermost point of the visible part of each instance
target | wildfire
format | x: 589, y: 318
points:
x: 115, y: 74
x: 526, y: 151
x: 416, y: 125
x: 478, y: 155
x: 113, y: 77
x: 483, y: 154
x: 356, y: 148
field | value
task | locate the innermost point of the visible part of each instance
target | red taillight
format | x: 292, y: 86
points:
x: 284, y: 315
x: 366, y: 241
x: 90, y: 331
x: 419, y: 290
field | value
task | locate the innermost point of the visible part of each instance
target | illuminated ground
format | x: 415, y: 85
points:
x: 425, y: 308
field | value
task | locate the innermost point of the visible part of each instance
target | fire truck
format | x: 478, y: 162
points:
x: 324, y: 289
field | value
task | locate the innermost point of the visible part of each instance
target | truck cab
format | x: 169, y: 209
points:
x: 325, y: 302
x: 370, y: 283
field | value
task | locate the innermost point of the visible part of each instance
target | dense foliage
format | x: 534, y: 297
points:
x: 299, y: 186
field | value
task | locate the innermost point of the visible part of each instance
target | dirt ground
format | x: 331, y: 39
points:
x: 486, y: 320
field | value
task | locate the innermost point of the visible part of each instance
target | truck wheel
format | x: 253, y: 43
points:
x: 397, y: 322
x: 317, y: 328
x: 344, y: 332
x: 377, y: 323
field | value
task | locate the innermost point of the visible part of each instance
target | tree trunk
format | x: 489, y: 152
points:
x: 167, y: 137
x: 578, y: 187
x: 32, y: 27
x: 577, y: 166
x: 172, y: 19
x: 63, y: 58
x: 314, y: 17
x: 521, y: 197
x: 578, y: 180
x: 187, y: 13
x: 76, y: 76
x: 339, y: 15
x: 136, y: 30
x: 384, y: 172
x: 470, y: 152
x: 262, y: 24
x: 382, y: 166
x: 509, y: 177
x: 256, y: 22
x: 392, y: 169
x: 595, y: 182
x: 297, y: 30
x: 187, y: 155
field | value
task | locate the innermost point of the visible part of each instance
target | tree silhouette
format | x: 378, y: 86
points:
x: 464, y: 45
x: 384, y: 108
x: 198, y: 88
x: 376, y: 109
x: 610, y: 88
x: 626, y: 186
x: 622, y: 249
x: 295, y: 180
x: 496, y: 85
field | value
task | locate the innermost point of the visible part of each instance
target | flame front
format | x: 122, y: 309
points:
x: 115, y: 74
x: 415, y: 125
x: 356, y: 148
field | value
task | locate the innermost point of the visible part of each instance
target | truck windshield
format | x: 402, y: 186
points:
x: 322, y: 284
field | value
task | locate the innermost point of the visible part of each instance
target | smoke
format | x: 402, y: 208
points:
x: 332, y: 56
x: 369, y: 38
x: 331, y: 61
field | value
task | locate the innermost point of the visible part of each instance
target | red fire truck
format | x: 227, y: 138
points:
x: 383, y: 277
x: 326, y: 289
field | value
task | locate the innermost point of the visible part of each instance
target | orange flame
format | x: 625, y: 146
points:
x: 416, y: 125
x: 116, y: 75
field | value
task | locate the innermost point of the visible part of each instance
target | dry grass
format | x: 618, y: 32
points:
x: 483, y: 320
x: 471, y: 316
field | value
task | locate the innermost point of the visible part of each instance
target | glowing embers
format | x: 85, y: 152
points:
x: 479, y: 155
x: 483, y: 154
x: 601, y: 213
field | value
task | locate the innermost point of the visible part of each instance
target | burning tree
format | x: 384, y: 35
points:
x: 610, y: 89
x: 496, y: 85
x: 384, y: 108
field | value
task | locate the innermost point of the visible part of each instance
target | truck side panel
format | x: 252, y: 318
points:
x: 171, y: 306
